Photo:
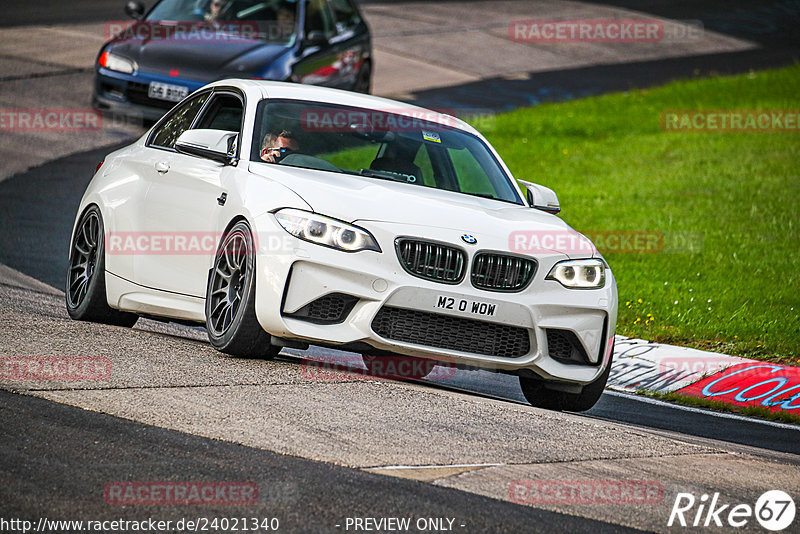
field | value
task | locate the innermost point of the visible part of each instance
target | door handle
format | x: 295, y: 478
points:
x: 162, y: 167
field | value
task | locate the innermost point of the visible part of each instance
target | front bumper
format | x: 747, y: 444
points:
x: 126, y: 94
x: 303, y: 272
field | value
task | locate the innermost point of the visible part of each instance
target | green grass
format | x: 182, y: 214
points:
x: 719, y: 406
x: 735, y: 195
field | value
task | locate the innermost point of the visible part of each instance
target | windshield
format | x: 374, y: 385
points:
x: 405, y: 147
x: 271, y: 20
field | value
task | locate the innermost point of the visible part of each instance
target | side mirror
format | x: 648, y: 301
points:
x: 216, y: 145
x: 134, y: 10
x: 315, y: 38
x: 541, y: 197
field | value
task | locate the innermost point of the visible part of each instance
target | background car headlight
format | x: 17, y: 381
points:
x: 326, y: 231
x: 579, y: 274
x: 114, y: 62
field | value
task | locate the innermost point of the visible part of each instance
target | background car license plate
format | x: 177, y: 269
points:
x: 466, y: 306
x: 165, y: 91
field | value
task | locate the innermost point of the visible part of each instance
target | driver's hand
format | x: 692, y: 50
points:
x: 268, y: 155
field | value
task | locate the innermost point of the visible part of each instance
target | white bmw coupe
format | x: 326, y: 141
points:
x: 282, y: 215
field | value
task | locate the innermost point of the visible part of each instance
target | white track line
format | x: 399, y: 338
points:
x: 434, y: 466
x: 712, y: 413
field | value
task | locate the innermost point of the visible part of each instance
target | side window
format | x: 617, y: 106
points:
x: 223, y: 113
x: 178, y: 122
x: 345, y: 14
x: 318, y: 18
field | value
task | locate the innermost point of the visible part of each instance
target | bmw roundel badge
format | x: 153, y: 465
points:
x: 469, y: 239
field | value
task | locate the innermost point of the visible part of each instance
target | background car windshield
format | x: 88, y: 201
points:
x: 405, y: 148
x: 275, y: 20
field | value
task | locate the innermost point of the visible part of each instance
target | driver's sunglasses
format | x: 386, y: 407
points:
x: 282, y: 149
x: 219, y: 4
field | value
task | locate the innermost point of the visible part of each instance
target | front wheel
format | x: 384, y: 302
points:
x: 86, y: 277
x: 230, y: 299
x: 537, y: 393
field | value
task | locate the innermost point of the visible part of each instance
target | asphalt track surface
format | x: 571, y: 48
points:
x: 307, y: 496
x: 56, y: 458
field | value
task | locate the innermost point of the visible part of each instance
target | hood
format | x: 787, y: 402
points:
x: 359, y: 199
x: 194, y: 50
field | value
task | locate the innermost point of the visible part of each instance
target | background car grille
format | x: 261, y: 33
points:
x: 432, y: 261
x: 330, y: 309
x: 453, y: 333
x: 501, y: 272
x: 564, y: 346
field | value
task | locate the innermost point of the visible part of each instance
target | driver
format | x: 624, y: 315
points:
x: 285, y: 16
x: 284, y: 20
x: 278, y: 145
x: 215, y: 9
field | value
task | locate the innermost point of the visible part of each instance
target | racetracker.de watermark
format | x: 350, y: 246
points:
x: 190, y: 243
x: 196, y: 31
x: 55, y: 368
x: 731, y: 121
x: 399, y: 367
x: 160, y: 493
x: 50, y: 120
x: 692, y: 365
x: 586, y: 492
x: 605, y: 242
x: 329, y: 120
x: 603, y: 31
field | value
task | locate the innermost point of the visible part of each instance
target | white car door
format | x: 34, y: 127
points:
x: 183, y: 208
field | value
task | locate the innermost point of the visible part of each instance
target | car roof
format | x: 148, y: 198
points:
x: 260, y: 89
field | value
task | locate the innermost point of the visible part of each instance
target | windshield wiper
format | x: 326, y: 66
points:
x: 489, y: 196
x: 388, y: 175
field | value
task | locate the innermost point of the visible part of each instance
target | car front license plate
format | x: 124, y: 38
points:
x: 465, y: 306
x: 165, y: 91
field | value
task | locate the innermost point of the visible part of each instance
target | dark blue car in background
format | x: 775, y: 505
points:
x: 180, y: 45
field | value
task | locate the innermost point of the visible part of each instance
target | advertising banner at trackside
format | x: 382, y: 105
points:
x: 640, y: 364
x: 768, y: 385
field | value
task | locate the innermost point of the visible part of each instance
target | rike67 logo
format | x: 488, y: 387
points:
x: 774, y: 510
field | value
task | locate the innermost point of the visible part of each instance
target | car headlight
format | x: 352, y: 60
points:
x: 117, y: 63
x: 326, y: 231
x: 579, y: 274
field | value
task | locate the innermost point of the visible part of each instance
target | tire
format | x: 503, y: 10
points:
x: 537, y: 393
x: 363, y: 81
x: 86, y: 282
x: 397, y: 366
x: 230, y: 299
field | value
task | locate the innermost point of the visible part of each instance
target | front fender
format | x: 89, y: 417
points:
x: 251, y: 195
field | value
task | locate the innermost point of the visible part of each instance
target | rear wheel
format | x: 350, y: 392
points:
x: 397, y: 366
x: 537, y: 393
x: 230, y: 299
x: 86, y: 277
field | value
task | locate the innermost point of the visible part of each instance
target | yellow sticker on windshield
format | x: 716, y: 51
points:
x: 431, y: 136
